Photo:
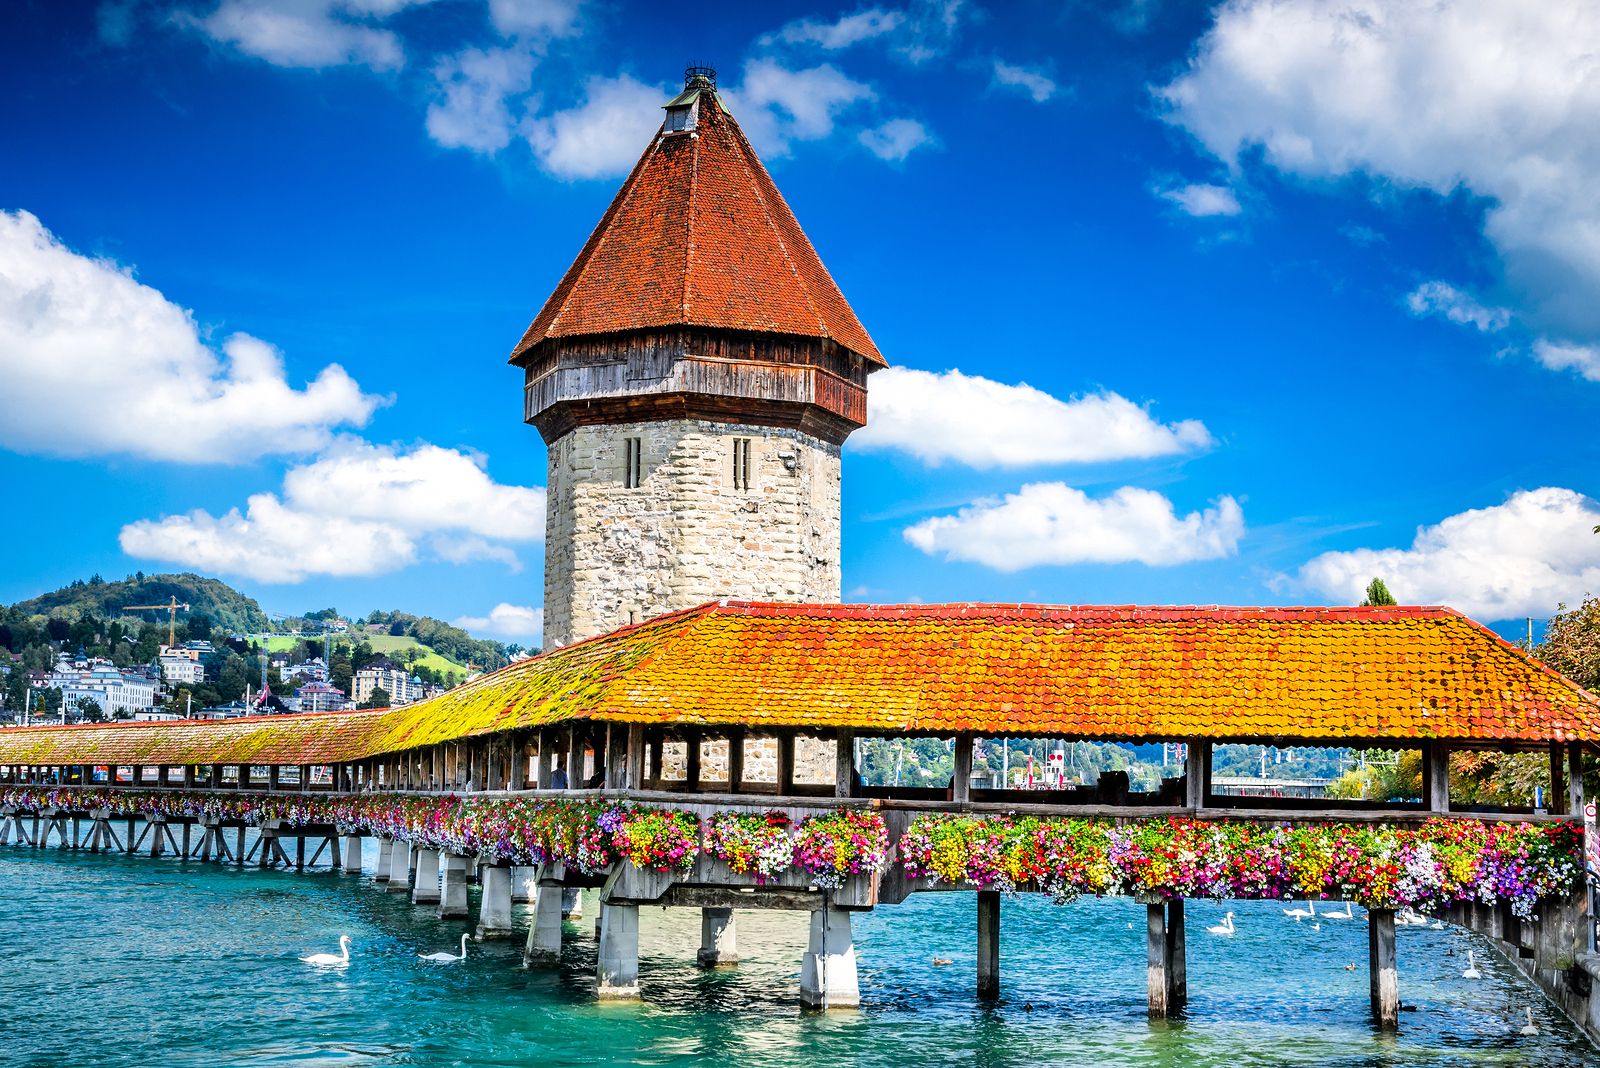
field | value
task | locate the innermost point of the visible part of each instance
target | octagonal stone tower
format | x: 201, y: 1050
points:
x: 694, y: 375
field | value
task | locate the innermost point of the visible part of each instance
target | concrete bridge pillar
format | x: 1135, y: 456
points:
x: 426, y: 891
x: 572, y: 903
x: 828, y: 969
x: 453, y: 887
x: 352, y: 853
x: 494, y: 910
x: 719, y: 939
x: 400, y: 868
x: 525, y: 883
x: 385, y: 855
x: 988, y: 943
x: 544, y: 936
x: 1382, y: 973
x: 618, y: 968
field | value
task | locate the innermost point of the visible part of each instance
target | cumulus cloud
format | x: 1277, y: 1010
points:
x: 1442, y: 298
x: 1030, y: 80
x: 1564, y: 356
x: 777, y: 105
x: 1053, y: 523
x: 1494, y: 96
x: 539, y: 18
x: 983, y: 423
x: 846, y: 31
x: 1520, y: 558
x: 515, y: 621
x: 895, y: 139
x: 361, y: 509
x: 602, y: 136
x: 1202, y: 200
x: 473, y: 106
x: 309, y: 33
x: 94, y: 363
x: 270, y: 542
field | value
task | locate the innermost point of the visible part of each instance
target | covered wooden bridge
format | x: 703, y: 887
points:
x: 749, y: 707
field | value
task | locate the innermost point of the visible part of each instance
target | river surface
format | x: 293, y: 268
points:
x: 119, y: 961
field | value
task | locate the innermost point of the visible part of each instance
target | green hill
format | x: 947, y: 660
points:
x: 229, y: 610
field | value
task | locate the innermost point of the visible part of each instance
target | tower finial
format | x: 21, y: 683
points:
x: 699, y: 77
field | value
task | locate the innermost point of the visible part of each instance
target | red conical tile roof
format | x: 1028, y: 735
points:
x: 699, y: 236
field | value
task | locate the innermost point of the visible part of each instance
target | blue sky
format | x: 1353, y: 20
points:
x: 1186, y: 304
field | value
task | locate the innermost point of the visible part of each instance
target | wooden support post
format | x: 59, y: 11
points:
x: 961, y: 775
x: 635, y: 761
x: 1574, y: 780
x: 988, y: 943
x: 691, y: 741
x: 653, y: 765
x: 272, y: 777
x: 1197, y: 773
x: 735, y: 759
x: 574, y: 759
x: 1177, y: 957
x: 844, y: 764
x: 1436, y: 775
x: 1381, y: 968
x: 785, y: 763
x: 1157, y: 972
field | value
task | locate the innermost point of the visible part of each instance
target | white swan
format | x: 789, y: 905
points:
x: 1410, y: 918
x: 1347, y: 914
x: 1223, y: 928
x: 1300, y: 914
x: 1472, y: 971
x: 327, y: 959
x: 446, y: 958
x: 1532, y: 1028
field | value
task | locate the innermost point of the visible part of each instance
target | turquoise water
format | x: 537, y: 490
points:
x: 116, y: 961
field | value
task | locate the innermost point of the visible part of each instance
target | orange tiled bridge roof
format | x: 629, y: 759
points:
x: 1292, y: 674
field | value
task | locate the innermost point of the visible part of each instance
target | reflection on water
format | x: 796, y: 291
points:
x: 120, y: 962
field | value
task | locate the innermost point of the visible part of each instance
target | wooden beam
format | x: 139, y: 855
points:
x: 961, y: 774
x: 1575, y: 798
x: 1556, y: 797
x: 785, y: 762
x: 1382, y: 975
x: 844, y: 764
x: 1436, y: 775
x: 635, y: 757
x: 735, y: 759
x: 691, y: 741
x: 1197, y: 772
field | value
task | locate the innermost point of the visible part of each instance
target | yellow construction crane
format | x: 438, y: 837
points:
x: 170, y: 608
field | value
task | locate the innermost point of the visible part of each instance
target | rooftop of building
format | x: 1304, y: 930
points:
x: 699, y: 236
x: 1308, y: 675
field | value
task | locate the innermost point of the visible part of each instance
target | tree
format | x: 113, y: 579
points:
x: 1572, y: 643
x: 17, y: 688
x: 379, y: 698
x: 1378, y: 595
x: 89, y: 710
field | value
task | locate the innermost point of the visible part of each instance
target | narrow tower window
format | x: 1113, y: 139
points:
x: 741, y: 464
x: 632, y: 464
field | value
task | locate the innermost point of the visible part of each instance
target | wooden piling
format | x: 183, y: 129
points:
x: 1157, y: 981
x: 1381, y: 968
x: 988, y: 943
x: 1177, y: 957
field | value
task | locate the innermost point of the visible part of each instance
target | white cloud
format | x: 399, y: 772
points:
x: 1564, y: 356
x: 359, y: 510
x: 270, y: 543
x: 475, y: 86
x: 776, y: 106
x: 1030, y: 80
x: 1052, y: 523
x: 848, y: 30
x: 1442, y: 298
x: 1202, y: 200
x: 931, y: 28
x: 895, y: 139
x: 542, y: 18
x: 983, y: 423
x: 1520, y: 558
x: 309, y: 33
x: 603, y: 136
x: 1496, y: 96
x: 428, y: 488
x: 504, y: 620
x: 94, y: 363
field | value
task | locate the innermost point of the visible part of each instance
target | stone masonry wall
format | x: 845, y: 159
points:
x: 615, y: 555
